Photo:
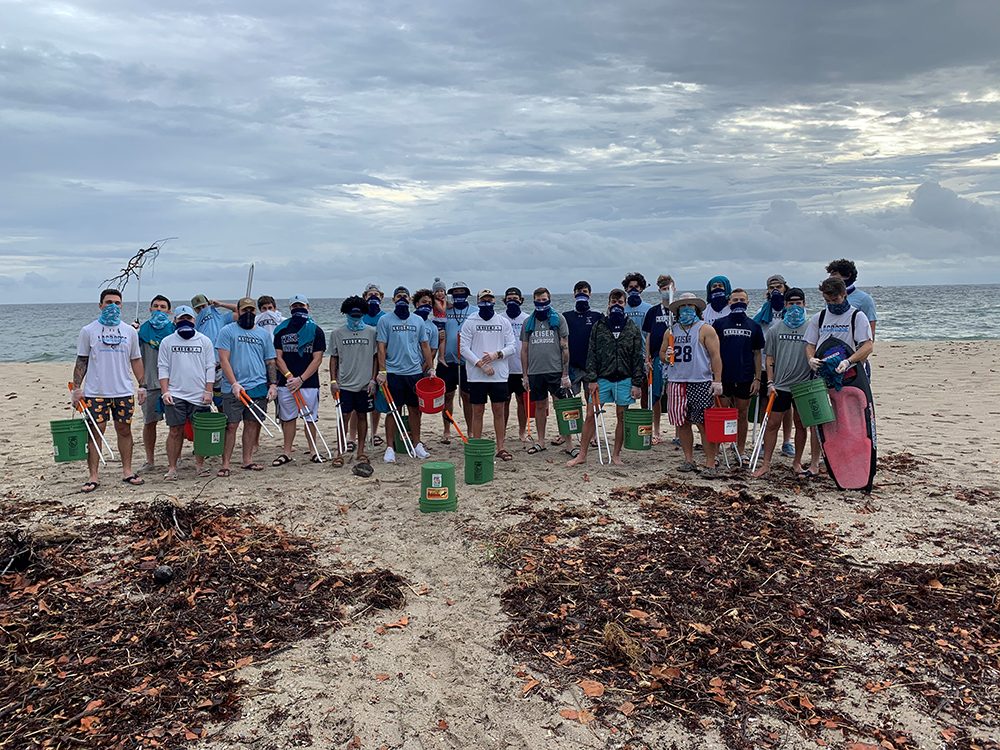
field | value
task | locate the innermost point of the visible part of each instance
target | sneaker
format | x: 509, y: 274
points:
x: 421, y: 451
x: 787, y: 449
x: 390, y: 456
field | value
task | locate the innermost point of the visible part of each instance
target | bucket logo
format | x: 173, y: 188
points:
x: 729, y: 427
x: 440, y: 493
x: 645, y: 429
x: 216, y: 437
x: 439, y: 402
x: 435, y: 480
x: 571, y: 415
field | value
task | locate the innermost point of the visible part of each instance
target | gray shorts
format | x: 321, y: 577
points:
x: 236, y: 412
x: 151, y: 407
x: 181, y: 412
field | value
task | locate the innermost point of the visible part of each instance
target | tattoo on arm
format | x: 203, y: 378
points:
x: 272, y: 372
x: 80, y: 370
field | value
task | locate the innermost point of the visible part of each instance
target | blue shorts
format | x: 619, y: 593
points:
x: 619, y: 392
x: 657, y: 378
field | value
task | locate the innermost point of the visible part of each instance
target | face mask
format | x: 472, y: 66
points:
x: 423, y: 311
x: 354, y: 321
x: 687, y: 316
x: 665, y: 296
x: 634, y: 298
x: 111, y: 314
x: 717, y: 299
x: 374, y: 305
x: 486, y: 310
x: 247, y: 319
x: 513, y: 309
x: 402, y: 309
x: 300, y: 312
x: 460, y: 301
x: 542, y: 310
x: 795, y: 316
x: 582, y: 303
x: 777, y: 300
x: 185, y: 329
x: 840, y: 308
x: 616, y: 317
x: 158, y: 319
x: 738, y: 308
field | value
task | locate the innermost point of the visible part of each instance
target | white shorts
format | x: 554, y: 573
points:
x: 288, y: 410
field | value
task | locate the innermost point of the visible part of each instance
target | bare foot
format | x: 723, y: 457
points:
x: 581, y: 459
x: 617, y: 461
x: 761, y: 471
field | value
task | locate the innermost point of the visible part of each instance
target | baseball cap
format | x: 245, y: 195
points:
x: 372, y: 288
x: 298, y: 299
x: 199, y: 300
x: 795, y: 293
x: 486, y: 293
x: 460, y: 285
x: 181, y: 310
x: 400, y: 289
x: 776, y: 277
x: 513, y: 290
x: 247, y: 302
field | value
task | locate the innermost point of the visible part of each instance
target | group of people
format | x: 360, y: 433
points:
x: 680, y: 356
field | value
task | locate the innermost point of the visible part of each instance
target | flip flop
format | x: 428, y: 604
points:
x: 170, y: 476
x: 573, y: 453
x: 317, y: 459
x: 135, y: 480
x: 536, y: 448
x: 378, y: 440
x: 351, y: 446
x: 338, y: 461
x: 505, y: 455
x: 205, y: 472
x: 89, y: 487
x: 281, y: 460
x: 223, y: 473
x: 253, y: 467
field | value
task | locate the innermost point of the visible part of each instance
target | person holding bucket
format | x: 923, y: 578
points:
x: 488, y: 345
x: 770, y: 314
x: 544, y: 359
x: 513, y: 299
x: 740, y: 343
x: 615, y: 372
x: 185, y: 364
x: 450, y: 367
x: 580, y: 321
x: 107, y: 357
x: 151, y: 334
x: 694, y: 377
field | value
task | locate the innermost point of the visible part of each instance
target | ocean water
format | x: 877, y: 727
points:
x: 48, y: 332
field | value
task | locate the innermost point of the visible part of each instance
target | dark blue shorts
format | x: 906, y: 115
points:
x: 403, y: 389
x: 356, y: 401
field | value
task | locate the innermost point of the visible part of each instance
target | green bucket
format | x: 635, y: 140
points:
x: 812, y: 401
x: 638, y: 429
x: 437, y: 487
x: 69, y: 439
x: 397, y: 441
x: 479, y: 455
x: 209, y: 433
x: 569, y: 415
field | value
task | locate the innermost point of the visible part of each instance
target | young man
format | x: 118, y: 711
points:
x: 513, y: 299
x: 786, y: 366
x: 769, y: 314
x: 353, y: 367
x: 185, y: 364
x: 694, y: 378
x: 107, y: 356
x: 247, y: 359
x: 842, y: 320
x: 213, y: 315
x: 636, y: 310
x: 423, y: 306
x: 488, y: 345
x: 373, y: 297
x: 580, y: 322
x: 654, y: 327
x: 544, y: 359
x: 740, y: 345
x: 847, y: 272
x: 299, y: 347
x: 452, y: 371
x: 268, y: 315
x: 615, y: 373
x: 717, y: 289
x: 404, y: 357
x: 151, y: 333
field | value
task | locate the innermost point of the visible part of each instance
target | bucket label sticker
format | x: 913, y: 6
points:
x: 435, y: 480
x: 571, y: 423
x: 645, y: 429
x: 646, y: 441
x: 729, y: 427
x: 216, y: 437
x: 440, y: 493
x: 439, y: 402
x: 56, y: 448
x: 571, y: 415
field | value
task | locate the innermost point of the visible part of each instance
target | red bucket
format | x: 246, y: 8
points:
x: 721, y: 424
x: 189, y: 431
x: 430, y: 395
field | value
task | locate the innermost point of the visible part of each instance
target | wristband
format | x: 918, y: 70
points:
x: 288, y: 374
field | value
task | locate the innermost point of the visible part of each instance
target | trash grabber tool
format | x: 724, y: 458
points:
x: 254, y: 409
x: 92, y: 432
x: 305, y: 412
x: 755, y: 455
x: 400, y: 425
x: 341, y: 428
x: 650, y: 383
x: 601, y: 429
x: 455, y: 424
x: 527, y: 411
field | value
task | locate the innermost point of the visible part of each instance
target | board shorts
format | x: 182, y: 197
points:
x: 152, y: 409
x: 515, y: 385
x: 497, y: 393
x: 658, y: 379
x: 617, y: 391
x: 358, y: 402
x: 236, y: 411
x: 542, y: 386
x: 686, y: 402
x: 737, y: 390
x: 575, y: 381
x: 782, y: 401
x: 449, y: 373
x: 288, y: 410
x: 403, y: 389
x: 181, y: 412
x: 116, y: 408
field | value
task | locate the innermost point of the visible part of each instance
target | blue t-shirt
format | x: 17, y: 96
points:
x: 402, y: 339
x: 864, y: 302
x: 211, y: 321
x: 739, y: 338
x: 637, y: 315
x: 432, y: 333
x: 655, y: 326
x: 452, y: 326
x: 248, y: 351
x: 372, y: 320
x: 580, y: 325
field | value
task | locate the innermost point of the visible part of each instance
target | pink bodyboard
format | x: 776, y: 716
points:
x: 847, y: 443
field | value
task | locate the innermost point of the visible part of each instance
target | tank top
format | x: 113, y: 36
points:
x: 691, y: 361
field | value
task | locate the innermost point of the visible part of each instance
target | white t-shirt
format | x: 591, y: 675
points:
x: 709, y: 315
x: 839, y: 326
x: 516, y: 325
x: 111, y: 350
x: 188, y: 364
x: 479, y: 336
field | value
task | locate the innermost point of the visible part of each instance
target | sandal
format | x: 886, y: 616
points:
x: 378, y: 440
x: 558, y: 441
x: 536, y: 448
x: 170, y: 476
x: 687, y: 466
x: 338, y: 461
x: 89, y: 487
x: 223, y: 473
x: 135, y: 480
x: 206, y: 472
x: 446, y: 439
x: 253, y: 467
x: 573, y: 453
x: 351, y: 446
x: 505, y: 455
x: 656, y: 440
x: 362, y: 459
x: 317, y: 459
x: 281, y: 460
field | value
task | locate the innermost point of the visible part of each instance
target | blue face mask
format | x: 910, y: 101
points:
x: 185, y: 329
x: 486, y: 310
x: 111, y: 314
x: 687, y: 316
x: 460, y: 301
x: 717, y: 299
x: 542, y: 309
x: 582, y: 303
x: 423, y: 311
x: 158, y: 319
x: 300, y: 312
x: 513, y: 309
x: 738, y: 308
x: 616, y: 317
x: 354, y: 321
x: 402, y: 309
x: 777, y: 300
x: 374, y: 305
x: 795, y: 316
x: 634, y: 298
x: 839, y: 308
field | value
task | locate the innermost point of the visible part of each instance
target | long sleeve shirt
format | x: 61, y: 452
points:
x: 480, y: 336
x: 615, y: 358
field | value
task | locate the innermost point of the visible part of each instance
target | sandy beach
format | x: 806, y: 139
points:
x: 451, y: 683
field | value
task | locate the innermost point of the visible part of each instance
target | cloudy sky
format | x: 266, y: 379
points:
x: 334, y: 143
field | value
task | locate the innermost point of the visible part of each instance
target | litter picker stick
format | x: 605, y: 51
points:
x: 527, y: 411
x: 650, y: 386
x: 755, y: 456
x: 600, y: 428
x: 341, y: 427
x: 254, y: 409
x: 400, y: 425
x: 90, y: 430
x: 90, y: 422
x: 457, y: 428
x: 670, y: 328
x: 304, y: 412
x: 249, y: 281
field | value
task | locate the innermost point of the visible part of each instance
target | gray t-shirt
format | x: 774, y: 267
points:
x: 544, y: 348
x: 151, y: 376
x: 355, y: 351
x: 788, y: 348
